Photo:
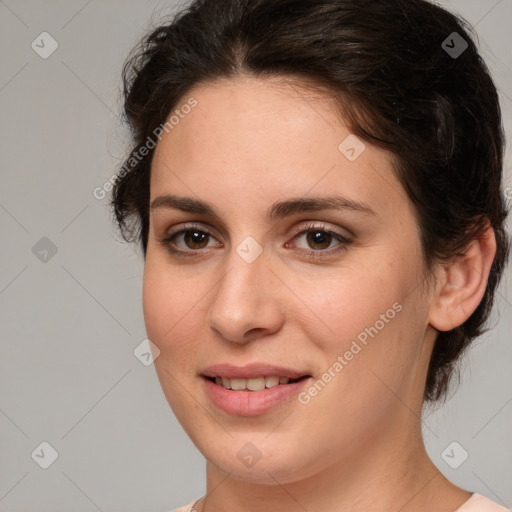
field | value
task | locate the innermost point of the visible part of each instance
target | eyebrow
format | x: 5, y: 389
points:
x: 279, y: 209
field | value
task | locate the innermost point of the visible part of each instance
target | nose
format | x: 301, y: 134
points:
x: 245, y: 304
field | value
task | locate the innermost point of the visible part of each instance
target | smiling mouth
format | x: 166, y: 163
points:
x: 253, y: 384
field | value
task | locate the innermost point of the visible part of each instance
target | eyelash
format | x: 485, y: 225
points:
x: 311, y: 254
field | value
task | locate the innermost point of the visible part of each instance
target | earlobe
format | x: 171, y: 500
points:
x: 462, y: 283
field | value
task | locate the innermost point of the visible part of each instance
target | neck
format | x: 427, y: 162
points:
x: 391, y: 473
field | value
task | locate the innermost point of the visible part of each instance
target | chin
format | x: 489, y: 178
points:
x: 252, y: 458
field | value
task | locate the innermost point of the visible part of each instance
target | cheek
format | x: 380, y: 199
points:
x: 352, y: 301
x: 170, y: 306
x: 376, y: 321
x: 382, y: 358
x: 155, y: 303
x: 170, y: 314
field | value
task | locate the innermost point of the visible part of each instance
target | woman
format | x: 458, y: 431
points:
x: 316, y: 190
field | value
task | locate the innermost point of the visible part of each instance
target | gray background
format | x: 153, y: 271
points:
x: 70, y: 324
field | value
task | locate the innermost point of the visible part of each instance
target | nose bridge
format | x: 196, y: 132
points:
x: 243, y: 282
x: 243, y: 299
x: 246, y: 263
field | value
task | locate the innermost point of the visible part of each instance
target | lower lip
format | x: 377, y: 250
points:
x: 251, y: 403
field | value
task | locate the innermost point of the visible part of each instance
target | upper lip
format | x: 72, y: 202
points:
x: 251, y: 371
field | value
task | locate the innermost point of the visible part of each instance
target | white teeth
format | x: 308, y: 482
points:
x: 270, y: 382
x: 238, y: 384
x: 254, y: 384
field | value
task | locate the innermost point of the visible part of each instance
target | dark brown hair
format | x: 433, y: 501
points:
x: 403, y: 82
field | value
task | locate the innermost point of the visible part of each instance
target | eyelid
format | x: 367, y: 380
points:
x: 167, y: 239
x: 322, y: 226
x: 203, y: 226
x: 343, y: 241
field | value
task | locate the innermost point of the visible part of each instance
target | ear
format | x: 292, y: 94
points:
x: 462, y: 283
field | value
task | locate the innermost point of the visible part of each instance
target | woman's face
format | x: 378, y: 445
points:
x: 263, y: 286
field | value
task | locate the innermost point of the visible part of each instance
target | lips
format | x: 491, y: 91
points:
x: 253, y: 384
x: 252, y: 371
x: 253, y: 389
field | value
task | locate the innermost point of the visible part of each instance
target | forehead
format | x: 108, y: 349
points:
x: 267, y: 138
x: 272, y: 108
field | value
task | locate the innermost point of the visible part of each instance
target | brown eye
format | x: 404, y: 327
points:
x: 195, y: 239
x: 189, y: 241
x: 317, y: 242
x: 319, y: 239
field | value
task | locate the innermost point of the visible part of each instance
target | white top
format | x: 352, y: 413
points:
x: 476, y: 503
x: 479, y: 503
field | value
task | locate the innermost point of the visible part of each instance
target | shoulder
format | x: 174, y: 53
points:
x: 185, y: 508
x: 476, y: 503
x: 479, y: 503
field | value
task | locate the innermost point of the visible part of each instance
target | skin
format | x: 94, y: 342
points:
x: 357, y: 444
